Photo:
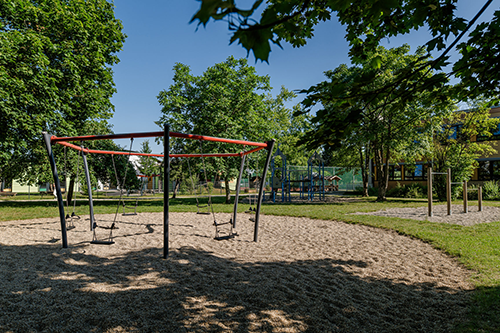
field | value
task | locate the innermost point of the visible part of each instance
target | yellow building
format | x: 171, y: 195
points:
x: 489, y: 167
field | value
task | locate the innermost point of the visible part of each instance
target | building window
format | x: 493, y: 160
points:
x: 489, y: 170
x: 395, y: 172
x: 415, y: 172
x: 495, y: 136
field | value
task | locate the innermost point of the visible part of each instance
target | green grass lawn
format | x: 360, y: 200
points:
x: 477, y: 247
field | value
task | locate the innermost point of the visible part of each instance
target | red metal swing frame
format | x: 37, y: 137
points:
x: 51, y: 139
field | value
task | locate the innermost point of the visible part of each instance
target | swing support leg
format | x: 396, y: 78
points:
x: 238, y: 186
x: 166, y: 187
x: 89, y: 187
x: 60, y: 203
x: 270, y: 147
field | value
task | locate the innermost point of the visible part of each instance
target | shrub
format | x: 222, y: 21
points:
x: 373, y: 191
x: 414, y: 190
x: 210, y: 187
x: 491, y: 190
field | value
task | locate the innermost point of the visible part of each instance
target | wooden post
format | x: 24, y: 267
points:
x: 448, y: 190
x: 466, y: 208
x: 480, y: 199
x: 429, y: 191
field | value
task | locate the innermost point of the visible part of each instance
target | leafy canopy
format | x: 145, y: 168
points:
x: 228, y: 100
x: 366, y: 23
x: 55, y: 73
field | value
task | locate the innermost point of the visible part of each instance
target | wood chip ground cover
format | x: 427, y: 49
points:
x: 302, y: 275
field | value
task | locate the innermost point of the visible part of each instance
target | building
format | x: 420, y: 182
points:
x: 489, y: 167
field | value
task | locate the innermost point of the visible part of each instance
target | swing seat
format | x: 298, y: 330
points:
x: 252, y: 219
x: 203, y: 213
x: 102, y: 242
x: 226, y: 237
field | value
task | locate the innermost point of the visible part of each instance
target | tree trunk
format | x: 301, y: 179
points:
x: 364, y: 162
x: 228, y: 191
x: 175, y: 189
x: 383, y: 165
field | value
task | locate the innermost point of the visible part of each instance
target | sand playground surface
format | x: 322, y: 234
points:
x: 303, y: 275
x: 440, y: 214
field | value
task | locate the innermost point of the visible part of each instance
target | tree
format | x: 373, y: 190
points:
x: 103, y: 168
x: 55, y: 75
x: 352, y: 117
x: 148, y: 166
x: 227, y: 100
x: 367, y: 22
x: 457, y: 143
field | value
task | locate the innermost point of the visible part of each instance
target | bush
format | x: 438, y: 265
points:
x: 185, y: 188
x: 414, y: 190
x: 491, y: 190
x: 210, y: 187
x: 373, y: 191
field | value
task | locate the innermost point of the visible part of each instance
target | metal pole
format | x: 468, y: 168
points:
x: 429, y: 191
x: 89, y: 186
x: 270, y: 146
x: 466, y: 208
x: 60, y: 203
x: 166, y: 188
x: 238, y: 186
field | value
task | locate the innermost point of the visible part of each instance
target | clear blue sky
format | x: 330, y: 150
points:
x: 159, y: 35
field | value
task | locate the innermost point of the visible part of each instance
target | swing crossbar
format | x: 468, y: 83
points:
x: 157, y: 134
x: 111, y: 152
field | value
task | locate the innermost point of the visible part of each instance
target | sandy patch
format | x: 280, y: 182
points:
x: 303, y: 275
x: 440, y: 214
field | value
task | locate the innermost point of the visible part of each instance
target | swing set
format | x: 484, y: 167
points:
x: 166, y: 134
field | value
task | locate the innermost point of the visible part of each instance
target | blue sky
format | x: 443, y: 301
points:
x: 159, y: 35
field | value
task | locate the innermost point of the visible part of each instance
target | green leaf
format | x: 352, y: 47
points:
x: 376, y: 62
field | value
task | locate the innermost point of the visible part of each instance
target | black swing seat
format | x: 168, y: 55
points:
x: 252, y: 219
x: 251, y: 210
x: 102, y: 242
x: 72, y: 216
x: 230, y: 236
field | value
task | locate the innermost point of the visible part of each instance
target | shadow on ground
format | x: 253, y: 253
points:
x: 46, y: 288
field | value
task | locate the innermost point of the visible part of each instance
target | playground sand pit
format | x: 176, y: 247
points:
x: 440, y: 214
x: 303, y: 275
